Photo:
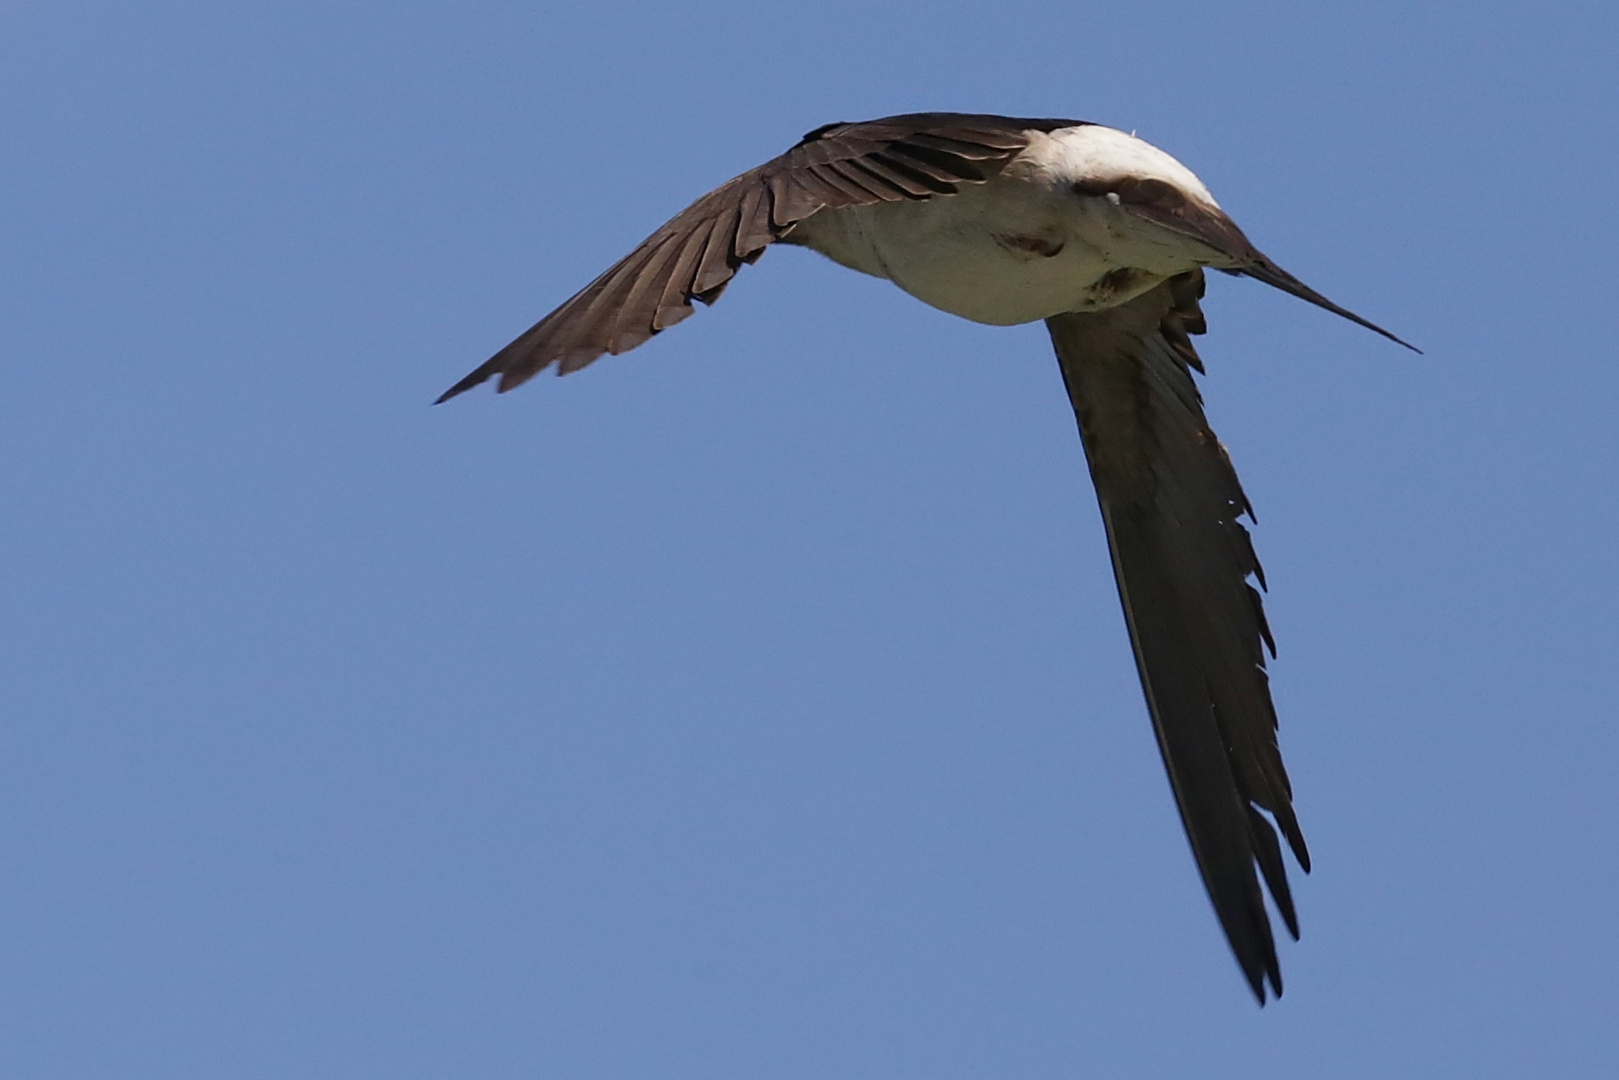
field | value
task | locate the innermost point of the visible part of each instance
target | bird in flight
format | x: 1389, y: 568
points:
x: 1002, y: 221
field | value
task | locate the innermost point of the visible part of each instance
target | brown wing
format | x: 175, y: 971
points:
x: 694, y: 256
x: 1170, y: 501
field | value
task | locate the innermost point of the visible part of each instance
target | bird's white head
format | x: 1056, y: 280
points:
x: 1102, y: 157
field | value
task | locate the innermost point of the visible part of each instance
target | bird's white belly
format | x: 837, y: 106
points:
x: 989, y: 275
x: 1016, y: 249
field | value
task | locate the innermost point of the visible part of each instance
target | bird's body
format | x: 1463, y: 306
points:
x: 1002, y: 221
x: 1020, y: 247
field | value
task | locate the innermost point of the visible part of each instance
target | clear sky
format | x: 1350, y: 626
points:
x: 758, y: 705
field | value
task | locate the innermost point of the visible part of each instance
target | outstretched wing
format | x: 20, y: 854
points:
x: 1171, y: 502
x: 694, y: 256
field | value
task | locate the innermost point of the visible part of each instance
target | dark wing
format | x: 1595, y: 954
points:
x: 695, y: 255
x: 1170, y: 501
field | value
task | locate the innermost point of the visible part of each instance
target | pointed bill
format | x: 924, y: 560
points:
x: 1262, y: 269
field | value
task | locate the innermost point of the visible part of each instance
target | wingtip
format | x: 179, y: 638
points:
x: 482, y: 374
x: 1265, y: 984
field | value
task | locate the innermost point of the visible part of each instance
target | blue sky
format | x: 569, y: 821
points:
x: 757, y: 704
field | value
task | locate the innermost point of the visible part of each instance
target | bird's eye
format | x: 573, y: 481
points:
x: 1133, y: 191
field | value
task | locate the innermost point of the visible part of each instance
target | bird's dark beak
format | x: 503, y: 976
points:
x: 1262, y: 269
